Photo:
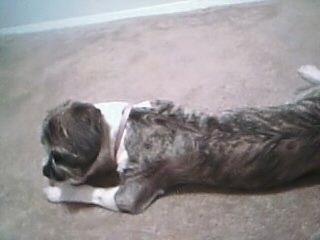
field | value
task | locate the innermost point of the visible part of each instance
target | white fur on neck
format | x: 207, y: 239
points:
x: 112, y: 113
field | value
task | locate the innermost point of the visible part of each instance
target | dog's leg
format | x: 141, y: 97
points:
x: 136, y: 195
x: 315, y: 236
x: 313, y: 91
x: 310, y: 73
x: 64, y: 192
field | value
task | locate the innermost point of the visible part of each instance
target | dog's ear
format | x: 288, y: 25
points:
x: 52, y: 131
x: 52, y: 128
x: 85, y: 112
x: 83, y: 116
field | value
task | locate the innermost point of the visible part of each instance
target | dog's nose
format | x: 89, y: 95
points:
x: 51, y: 173
x: 46, y: 171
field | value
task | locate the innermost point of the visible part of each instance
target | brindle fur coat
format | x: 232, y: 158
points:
x: 250, y: 148
x: 247, y: 148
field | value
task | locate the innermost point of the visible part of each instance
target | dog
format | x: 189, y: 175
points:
x: 155, y: 145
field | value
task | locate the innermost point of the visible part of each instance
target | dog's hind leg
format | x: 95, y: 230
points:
x: 315, y: 236
x: 310, y: 73
x: 310, y: 92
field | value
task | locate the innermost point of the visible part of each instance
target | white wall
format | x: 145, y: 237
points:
x: 23, y: 16
x: 22, y: 12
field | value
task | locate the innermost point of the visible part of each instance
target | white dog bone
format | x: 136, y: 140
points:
x: 64, y: 192
x: 105, y: 197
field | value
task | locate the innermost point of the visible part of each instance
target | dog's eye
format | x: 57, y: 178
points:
x: 67, y: 160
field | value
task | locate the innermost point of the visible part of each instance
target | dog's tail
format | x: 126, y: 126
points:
x: 310, y: 73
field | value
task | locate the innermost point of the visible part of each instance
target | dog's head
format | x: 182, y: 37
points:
x: 73, y: 135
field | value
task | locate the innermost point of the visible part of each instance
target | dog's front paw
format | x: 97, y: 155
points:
x: 53, y: 194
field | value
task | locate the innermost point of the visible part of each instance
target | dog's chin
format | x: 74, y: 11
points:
x: 51, y: 182
x: 77, y: 181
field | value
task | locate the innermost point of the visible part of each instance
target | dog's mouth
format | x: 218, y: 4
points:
x: 51, y: 171
x: 57, y: 173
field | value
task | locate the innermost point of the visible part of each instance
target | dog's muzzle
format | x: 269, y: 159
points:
x: 50, y: 171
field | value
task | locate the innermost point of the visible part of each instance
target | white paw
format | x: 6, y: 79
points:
x: 310, y: 73
x: 53, y: 194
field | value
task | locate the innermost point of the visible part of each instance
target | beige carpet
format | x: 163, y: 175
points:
x: 210, y: 60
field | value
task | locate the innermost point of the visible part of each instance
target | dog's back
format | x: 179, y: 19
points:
x: 246, y: 148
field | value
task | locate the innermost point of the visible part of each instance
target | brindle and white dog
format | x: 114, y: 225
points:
x: 156, y: 145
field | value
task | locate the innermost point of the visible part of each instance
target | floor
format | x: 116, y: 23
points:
x: 210, y: 60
